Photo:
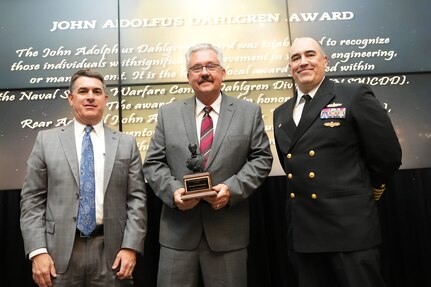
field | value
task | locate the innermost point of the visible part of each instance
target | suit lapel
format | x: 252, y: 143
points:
x: 289, y: 125
x: 285, y: 126
x: 111, y: 145
x: 323, y: 96
x: 68, y: 142
x: 189, y: 119
x: 227, y: 109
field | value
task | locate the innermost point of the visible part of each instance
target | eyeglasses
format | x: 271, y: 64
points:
x: 199, y: 68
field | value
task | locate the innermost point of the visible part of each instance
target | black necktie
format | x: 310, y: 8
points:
x: 307, y: 99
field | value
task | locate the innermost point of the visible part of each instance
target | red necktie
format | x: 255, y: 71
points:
x: 206, y: 138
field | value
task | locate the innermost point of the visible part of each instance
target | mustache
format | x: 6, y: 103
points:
x: 204, y: 80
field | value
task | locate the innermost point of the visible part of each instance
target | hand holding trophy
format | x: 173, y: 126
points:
x: 199, y: 183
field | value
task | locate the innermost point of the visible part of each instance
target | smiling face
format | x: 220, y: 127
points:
x: 307, y: 63
x: 206, y: 84
x: 88, y: 100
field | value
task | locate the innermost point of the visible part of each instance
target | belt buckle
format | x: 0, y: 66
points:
x: 82, y: 235
x: 98, y: 230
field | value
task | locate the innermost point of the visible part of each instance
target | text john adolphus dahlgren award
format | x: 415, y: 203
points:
x: 199, y: 183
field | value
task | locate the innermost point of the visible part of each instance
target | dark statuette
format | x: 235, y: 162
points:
x: 199, y: 183
x: 196, y: 162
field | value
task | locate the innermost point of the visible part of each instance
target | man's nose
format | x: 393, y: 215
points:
x: 303, y: 60
x: 204, y: 70
x: 90, y: 95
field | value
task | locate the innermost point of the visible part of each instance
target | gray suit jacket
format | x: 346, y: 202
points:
x: 50, y: 195
x: 240, y: 157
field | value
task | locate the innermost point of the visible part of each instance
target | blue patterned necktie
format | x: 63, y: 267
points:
x: 87, y: 203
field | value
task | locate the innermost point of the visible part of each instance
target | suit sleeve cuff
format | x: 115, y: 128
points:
x: 378, y: 191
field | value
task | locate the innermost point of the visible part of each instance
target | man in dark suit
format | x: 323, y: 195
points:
x: 338, y: 156
x: 62, y: 250
x: 210, y: 233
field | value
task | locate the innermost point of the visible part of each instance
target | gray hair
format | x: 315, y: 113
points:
x: 204, y: 46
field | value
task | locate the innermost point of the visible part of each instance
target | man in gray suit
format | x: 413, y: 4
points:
x: 61, y: 254
x: 210, y: 233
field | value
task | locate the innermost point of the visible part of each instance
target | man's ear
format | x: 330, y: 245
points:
x: 70, y: 97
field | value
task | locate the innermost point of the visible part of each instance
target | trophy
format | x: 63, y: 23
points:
x: 199, y: 183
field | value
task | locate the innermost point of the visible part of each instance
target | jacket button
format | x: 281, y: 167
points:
x: 311, y: 153
x: 289, y: 156
x: 311, y: 175
x: 313, y: 196
x: 289, y: 176
x: 292, y: 195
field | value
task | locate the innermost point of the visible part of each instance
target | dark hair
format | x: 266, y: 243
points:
x: 86, y: 73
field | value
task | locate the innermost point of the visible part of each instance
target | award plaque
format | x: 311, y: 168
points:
x: 199, y: 183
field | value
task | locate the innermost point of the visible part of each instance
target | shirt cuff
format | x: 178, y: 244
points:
x: 37, y: 252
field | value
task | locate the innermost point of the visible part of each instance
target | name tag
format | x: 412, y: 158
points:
x: 333, y: 113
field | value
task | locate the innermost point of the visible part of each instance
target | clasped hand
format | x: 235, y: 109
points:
x: 217, y: 202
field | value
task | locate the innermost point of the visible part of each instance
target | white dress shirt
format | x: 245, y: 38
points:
x: 98, y: 140
x: 300, y: 102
